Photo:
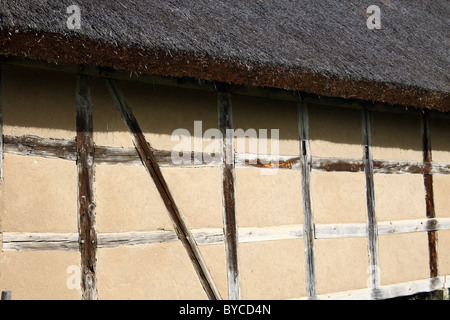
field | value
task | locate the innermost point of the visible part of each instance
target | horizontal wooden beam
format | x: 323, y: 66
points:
x: 66, y: 150
x: 389, y: 291
x: 129, y: 156
x: 351, y: 230
x: 13, y: 241
x: 323, y: 164
x: 40, y: 147
x: 261, y: 161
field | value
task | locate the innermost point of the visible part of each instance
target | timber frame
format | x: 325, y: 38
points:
x: 86, y: 154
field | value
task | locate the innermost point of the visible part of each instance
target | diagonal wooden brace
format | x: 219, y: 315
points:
x: 150, y: 163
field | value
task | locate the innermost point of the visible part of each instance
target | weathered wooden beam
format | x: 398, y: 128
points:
x: 308, y: 220
x: 340, y: 230
x: 411, y: 226
x: 111, y: 240
x: 118, y: 156
x: 429, y: 197
x: 86, y: 196
x: 353, y: 230
x: 129, y: 156
x: 336, y: 165
x: 225, y: 115
x: 106, y: 155
x: 16, y: 241
x: 389, y: 291
x: 249, y: 160
x: 322, y: 164
x: 372, y: 231
x: 149, y: 161
x: 41, y: 147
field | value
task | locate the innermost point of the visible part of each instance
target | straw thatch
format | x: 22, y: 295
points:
x: 321, y: 47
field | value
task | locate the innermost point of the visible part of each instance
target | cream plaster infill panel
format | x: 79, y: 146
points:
x: 127, y: 200
x: 41, y: 275
x: 149, y: 272
x: 268, y: 200
x: 198, y: 195
x: 338, y: 197
x: 403, y: 257
x: 399, y: 197
x: 272, y: 270
x: 341, y: 264
x: 39, y: 195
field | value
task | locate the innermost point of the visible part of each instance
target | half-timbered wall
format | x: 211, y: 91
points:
x: 39, y: 195
x: 358, y: 206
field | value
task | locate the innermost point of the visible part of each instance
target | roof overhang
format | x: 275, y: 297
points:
x: 73, y: 49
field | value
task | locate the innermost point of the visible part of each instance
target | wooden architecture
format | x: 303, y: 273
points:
x: 352, y: 205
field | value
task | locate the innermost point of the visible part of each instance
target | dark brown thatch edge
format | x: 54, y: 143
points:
x: 58, y: 48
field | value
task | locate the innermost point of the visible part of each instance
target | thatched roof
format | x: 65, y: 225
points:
x: 320, y: 47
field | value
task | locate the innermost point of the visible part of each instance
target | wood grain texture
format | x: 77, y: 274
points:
x: 308, y: 227
x: 19, y: 241
x: 372, y: 231
x: 429, y: 193
x: 86, y: 195
x: 390, y: 291
x: 227, y: 166
x: 106, y: 155
x: 41, y: 147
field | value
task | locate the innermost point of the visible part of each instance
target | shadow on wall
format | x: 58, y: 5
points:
x: 45, y: 100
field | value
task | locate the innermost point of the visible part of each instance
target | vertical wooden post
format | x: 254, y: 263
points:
x: 429, y: 197
x: 86, y: 201
x: 228, y: 187
x: 149, y: 161
x: 372, y: 230
x: 308, y: 221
